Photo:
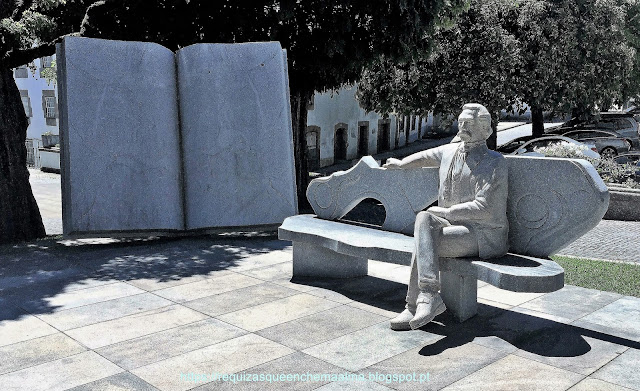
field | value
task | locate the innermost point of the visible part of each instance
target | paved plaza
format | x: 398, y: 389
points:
x: 223, y: 312
x: 166, y: 314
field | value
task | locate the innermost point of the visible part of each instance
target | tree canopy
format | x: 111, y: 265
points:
x: 328, y: 42
x: 556, y: 56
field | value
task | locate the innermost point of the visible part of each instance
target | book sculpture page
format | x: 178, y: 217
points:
x: 153, y: 141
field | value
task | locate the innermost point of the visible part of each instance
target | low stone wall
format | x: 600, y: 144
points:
x: 624, y: 204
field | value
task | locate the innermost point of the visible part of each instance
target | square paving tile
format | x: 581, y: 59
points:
x: 278, y: 311
x: 60, y: 374
x: 37, y: 351
x: 369, y: 346
x: 18, y: 326
x: 81, y: 297
x: 153, y: 284
x: 577, y: 357
x: 252, y: 262
x: 283, y: 270
x: 330, y: 295
x: 299, y: 366
x: 438, y: 368
x: 517, y: 373
x: 624, y: 370
x: 620, y: 318
x: 377, y: 310
x: 571, y: 302
x: 311, y: 330
x: 225, y: 358
x: 124, y: 381
x: 490, y: 292
x: 106, y: 333
x: 590, y: 384
x: 159, y: 346
x: 103, y: 311
x: 207, y: 287
x: 353, y: 386
x: 240, y: 298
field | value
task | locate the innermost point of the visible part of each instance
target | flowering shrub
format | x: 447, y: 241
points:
x: 610, y: 171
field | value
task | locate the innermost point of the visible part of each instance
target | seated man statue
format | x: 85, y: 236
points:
x: 470, y: 219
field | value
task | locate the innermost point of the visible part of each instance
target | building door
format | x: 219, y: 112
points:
x: 363, y: 138
x: 340, y: 142
x: 383, y: 135
x: 313, y: 147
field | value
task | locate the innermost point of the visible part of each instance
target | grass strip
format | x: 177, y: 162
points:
x: 622, y: 278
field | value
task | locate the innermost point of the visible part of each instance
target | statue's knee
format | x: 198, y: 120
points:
x: 427, y: 219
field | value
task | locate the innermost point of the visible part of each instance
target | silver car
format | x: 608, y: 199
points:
x: 623, y: 124
x: 528, y: 147
x: 608, y: 144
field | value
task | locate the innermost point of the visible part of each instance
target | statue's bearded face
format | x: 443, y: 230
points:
x: 471, y: 128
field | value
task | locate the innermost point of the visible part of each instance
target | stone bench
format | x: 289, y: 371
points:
x: 551, y: 203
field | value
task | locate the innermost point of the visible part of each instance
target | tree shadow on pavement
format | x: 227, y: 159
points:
x: 33, y: 273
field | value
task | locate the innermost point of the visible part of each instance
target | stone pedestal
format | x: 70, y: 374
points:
x: 315, y: 261
x: 459, y: 293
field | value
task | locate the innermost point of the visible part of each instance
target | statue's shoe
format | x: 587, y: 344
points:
x: 401, y: 322
x: 429, y: 306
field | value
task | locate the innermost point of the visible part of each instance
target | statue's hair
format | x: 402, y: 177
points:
x: 480, y: 113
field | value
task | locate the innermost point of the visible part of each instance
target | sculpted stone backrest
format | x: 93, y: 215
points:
x: 403, y: 193
x: 551, y: 201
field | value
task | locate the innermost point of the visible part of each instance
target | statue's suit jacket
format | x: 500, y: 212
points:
x: 478, y: 198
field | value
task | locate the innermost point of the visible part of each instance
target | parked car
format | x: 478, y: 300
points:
x: 623, y: 124
x: 514, y: 144
x: 526, y: 145
x: 635, y: 111
x: 608, y: 144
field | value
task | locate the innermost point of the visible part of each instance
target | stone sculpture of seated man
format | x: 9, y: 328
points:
x: 470, y: 219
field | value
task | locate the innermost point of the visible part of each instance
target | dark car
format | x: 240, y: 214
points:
x: 608, y: 144
x: 514, y: 144
x: 623, y: 124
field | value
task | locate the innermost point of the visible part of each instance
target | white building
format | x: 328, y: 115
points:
x: 339, y: 129
x: 40, y: 102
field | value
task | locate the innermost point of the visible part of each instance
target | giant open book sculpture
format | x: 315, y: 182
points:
x: 159, y: 141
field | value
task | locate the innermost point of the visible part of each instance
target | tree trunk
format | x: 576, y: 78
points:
x: 537, y: 121
x: 492, y: 141
x: 299, y: 101
x: 19, y: 214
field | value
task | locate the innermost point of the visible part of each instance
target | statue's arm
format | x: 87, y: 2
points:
x: 492, y: 191
x: 427, y: 158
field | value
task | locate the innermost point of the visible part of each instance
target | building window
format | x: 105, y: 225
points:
x: 21, y: 72
x: 311, y: 103
x: 45, y: 62
x: 26, y: 103
x: 50, y: 107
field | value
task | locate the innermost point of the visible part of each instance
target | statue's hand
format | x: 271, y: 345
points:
x: 393, y: 164
x: 439, y: 211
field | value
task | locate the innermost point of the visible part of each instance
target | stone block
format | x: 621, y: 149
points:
x: 459, y: 293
